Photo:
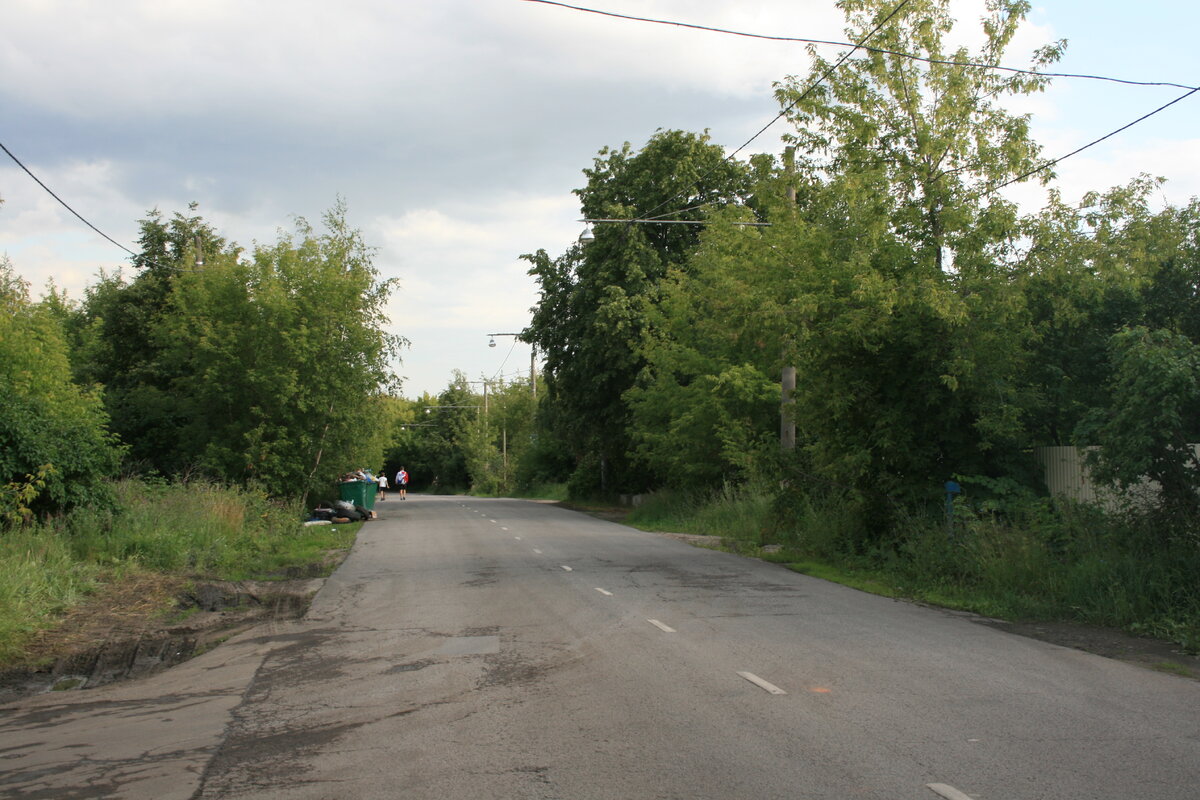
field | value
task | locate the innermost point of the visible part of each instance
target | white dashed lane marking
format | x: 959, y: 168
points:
x: 604, y: 592
x: 760, y: 683
x: 568, y: 569
x: 946, y: 791
x: 539, y: 552
x: 661, y: 626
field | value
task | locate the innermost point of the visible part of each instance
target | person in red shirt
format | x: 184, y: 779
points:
x: 402, y: 483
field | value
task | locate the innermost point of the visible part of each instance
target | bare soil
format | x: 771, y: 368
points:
x: 145, y: 623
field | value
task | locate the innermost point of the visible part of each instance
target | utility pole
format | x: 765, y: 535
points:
x: 533, y: 371
x: 787, y: 422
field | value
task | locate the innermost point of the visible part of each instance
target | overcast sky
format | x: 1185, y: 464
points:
x: 456, y: 129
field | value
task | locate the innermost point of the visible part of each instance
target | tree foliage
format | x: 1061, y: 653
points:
x: 55, y: 446
x: 1153, y: 420
x: 278, y: 362
x: 115, y: 341
x: 908, y: 328
x: 268, y: 368
x: 593, y: 313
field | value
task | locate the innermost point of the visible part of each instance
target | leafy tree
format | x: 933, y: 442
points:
x: 908, y: 330
x: 505, y: 434
x: 591, y: 318
x: 115, y: 344
x: 437, y: 437
x: 55, y: 446
x: 278, y: 361
x: 1154, y: 417
x: 1089, y: 273
x: 707, y: 405
x: 924, y: 142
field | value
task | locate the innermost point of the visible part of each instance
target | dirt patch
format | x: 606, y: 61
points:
x: 145, y: 623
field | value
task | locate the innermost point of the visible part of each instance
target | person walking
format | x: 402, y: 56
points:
x: 402, y: 483
x: 383, y: 485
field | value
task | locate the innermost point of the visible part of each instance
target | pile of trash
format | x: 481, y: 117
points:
x: 340, y: 511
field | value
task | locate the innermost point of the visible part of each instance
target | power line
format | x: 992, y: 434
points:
x: 1076, y: 151
x: 861, y: 45
x: 868, y: 48
x: 845, y: 56
x: 50, y: 192
x: 64, y: 202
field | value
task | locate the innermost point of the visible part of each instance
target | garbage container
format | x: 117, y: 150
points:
x: 360, y: 493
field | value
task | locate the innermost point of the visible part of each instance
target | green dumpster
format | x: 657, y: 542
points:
x: 360, y: 493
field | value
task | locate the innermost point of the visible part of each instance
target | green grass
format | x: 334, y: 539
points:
x: 734, y: 513
x: 199, y: 529
x: 538, y: 491
x: 1171, y: 668
x: 39, y: 579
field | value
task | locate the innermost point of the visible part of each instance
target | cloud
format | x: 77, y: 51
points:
x: 455, y: 130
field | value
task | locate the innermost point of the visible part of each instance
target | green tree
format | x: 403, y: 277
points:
x: 1153, y: 419
x: 924, y: 142
x: 503, y: 437
x: 591, y: 319
x: 55, y: 447
x: 278, y: 361
x: 115, y: 343
x: 436, y: 441
x: 1089, y: 272
x: 908, y: 329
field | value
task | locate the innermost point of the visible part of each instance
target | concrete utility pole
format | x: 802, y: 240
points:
x: 787, y: 422
x: 533, y: 371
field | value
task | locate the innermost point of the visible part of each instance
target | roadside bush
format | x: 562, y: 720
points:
x: 55, y: 447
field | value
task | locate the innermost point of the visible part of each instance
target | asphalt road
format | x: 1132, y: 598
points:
x: 476, y: 648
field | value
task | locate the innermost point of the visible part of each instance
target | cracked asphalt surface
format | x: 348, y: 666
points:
x: 452, y: 656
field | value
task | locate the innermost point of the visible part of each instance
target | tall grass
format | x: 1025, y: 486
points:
x: 201, y: 530
x: 541, y: 491
x: 39, y: 578
x: 742, y: 514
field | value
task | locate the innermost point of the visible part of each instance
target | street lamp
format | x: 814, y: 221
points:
x: 532, y: 353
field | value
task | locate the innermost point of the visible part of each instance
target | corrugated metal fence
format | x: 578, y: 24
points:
x: 1065, y: 471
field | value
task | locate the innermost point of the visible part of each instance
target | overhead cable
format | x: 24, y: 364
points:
x: 845, y: 56
x: 1078, y: 150
x: 64, y: 202
x: 868, y: 48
